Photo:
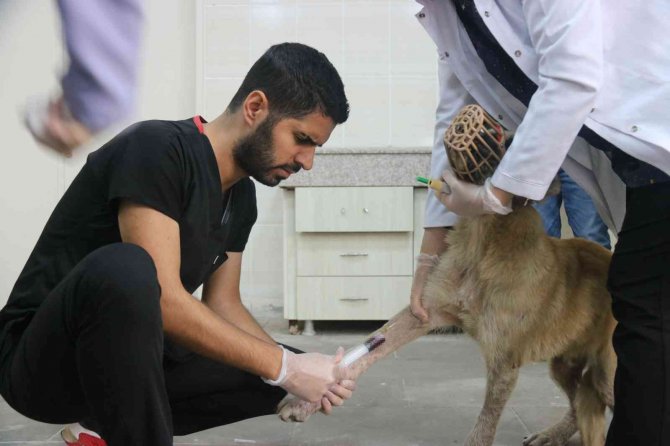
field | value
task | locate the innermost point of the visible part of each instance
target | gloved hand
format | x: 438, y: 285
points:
x: 470, y: 200
x: 424, y: 265
x: 310, y: 376
x: 337, y: 394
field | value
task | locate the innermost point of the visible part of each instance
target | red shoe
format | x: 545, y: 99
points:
x: 76, y: 435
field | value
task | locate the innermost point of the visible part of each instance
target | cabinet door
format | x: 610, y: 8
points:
x: 352, y: 298
x: 354, y: 254
x: 354, y: 209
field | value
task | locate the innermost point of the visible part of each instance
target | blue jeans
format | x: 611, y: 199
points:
x: 582, y: 215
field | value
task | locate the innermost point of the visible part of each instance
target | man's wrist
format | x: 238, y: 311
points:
x: 491, y: 203
x: 280, y: 373
x: 503, y: 196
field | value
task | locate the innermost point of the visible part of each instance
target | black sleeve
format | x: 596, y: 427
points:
x: 148, y: 169
x: 245, y: 218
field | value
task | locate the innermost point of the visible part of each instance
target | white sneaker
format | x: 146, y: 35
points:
x: 77, y: 435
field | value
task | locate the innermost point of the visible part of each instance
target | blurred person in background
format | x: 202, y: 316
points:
x: 99, y: 87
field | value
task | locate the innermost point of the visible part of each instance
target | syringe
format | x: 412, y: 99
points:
x: 356, y: 353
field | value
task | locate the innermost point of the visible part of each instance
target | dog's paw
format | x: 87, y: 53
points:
x: 544, y: 438
x: 292, y: 408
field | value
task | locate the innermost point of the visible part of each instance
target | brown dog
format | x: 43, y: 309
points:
x: 524, y: 297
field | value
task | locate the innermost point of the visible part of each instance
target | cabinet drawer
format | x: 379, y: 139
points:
x: 355, y: 254
x: 351, y: 298
x: 353, y: 209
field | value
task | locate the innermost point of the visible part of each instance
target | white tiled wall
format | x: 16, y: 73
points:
x: 386, y: 60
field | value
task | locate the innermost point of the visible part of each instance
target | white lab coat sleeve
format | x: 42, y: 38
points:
x: 567, y: 37
x: 453, y: 97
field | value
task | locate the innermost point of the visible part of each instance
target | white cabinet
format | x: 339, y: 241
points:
x: 349, y: 251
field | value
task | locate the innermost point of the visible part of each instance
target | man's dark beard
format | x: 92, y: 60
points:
x: 255, y: 154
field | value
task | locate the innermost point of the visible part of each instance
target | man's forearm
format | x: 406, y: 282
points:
x: 237, y: 314
x: 194, y: 325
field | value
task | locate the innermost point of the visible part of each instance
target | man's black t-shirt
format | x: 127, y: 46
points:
x: 166, y: 165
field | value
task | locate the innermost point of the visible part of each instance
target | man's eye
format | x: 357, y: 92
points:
x: 302, y: 139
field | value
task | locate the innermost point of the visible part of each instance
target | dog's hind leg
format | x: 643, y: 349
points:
x: 594, y: 395
x: 501, y: 379
x: 590, y: 409
x: 566, y: 375
x: 603, y: 375
x: 400, y: 330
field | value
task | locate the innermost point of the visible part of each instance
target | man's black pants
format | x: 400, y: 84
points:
x: 639, y: 281
x: 95, y: 351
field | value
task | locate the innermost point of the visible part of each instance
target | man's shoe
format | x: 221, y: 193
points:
x: 77, y: 435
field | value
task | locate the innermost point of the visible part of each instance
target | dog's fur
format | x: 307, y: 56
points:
x: 524, y: 297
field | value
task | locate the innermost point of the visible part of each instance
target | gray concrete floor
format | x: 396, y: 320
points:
x: 428, y: 393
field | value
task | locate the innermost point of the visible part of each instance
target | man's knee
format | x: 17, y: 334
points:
x: 125, y: 274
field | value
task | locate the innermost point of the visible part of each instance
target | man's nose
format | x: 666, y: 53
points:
x: 306, y: 158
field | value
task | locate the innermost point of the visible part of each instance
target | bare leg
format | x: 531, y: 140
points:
x: 567, y: 377
x: 501, y: 379
x: 400, y: 330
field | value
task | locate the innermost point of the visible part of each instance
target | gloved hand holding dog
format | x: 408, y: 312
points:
x: 471, y: 200
x: 314, y: 377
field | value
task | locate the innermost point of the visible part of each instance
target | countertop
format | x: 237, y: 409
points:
x: 364, y: 167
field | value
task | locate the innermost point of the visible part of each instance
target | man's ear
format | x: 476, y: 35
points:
x: 255, y: 108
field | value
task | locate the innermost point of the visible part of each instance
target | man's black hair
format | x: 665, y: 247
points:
x: 297, y: 80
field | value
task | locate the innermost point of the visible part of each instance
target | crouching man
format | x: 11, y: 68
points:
x: 101, y: 326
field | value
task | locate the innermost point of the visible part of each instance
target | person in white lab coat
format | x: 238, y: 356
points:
x: 585, y: 84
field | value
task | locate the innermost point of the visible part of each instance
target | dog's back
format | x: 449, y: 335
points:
x: 504, y: 278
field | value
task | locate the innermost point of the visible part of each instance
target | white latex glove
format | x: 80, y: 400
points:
x: 470, y: 200
x: 424, y: 265
x: 309, y: 376
x: 337, y: 394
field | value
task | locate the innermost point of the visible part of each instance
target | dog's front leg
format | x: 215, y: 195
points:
x: 501, y: 379
x: 400, y: 330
